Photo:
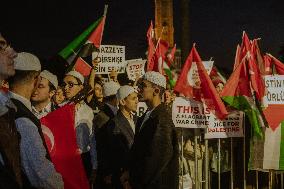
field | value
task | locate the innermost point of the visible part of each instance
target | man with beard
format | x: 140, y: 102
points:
x: 38, y: 168
x: 154, y: 154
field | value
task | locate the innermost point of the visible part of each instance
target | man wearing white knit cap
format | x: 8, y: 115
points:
x: 41, y: 98
x: 121, y: 137
x: 154, y: 153
x: 35, y: 158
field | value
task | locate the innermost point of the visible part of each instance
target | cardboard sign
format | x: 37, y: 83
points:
x: 141, y: 109
x: 111, y: 57
x: 135, y: 67
x: 188, y: 113
x: 275, y: 89
x: 232, y: 126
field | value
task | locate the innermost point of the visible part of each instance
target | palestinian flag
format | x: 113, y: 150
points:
x: 70, y: 51
x: 237, y: 94
x: 94, y: 41
x: 169, y: 74
x: 269, y: 153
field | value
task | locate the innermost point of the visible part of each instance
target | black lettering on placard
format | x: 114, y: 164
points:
x: 100, y: 69
x: 276, y: 97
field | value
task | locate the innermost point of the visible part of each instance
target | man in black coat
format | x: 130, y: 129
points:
x: 109, y: 110
x: 121, y: 135
x: 154, y: 154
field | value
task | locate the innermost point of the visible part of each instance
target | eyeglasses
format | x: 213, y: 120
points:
x: 4, y: 45
x: 69, y: 84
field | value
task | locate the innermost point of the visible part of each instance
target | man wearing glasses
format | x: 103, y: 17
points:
x: 154, y: 159
x: 10, y: 166
x: 38, y: 169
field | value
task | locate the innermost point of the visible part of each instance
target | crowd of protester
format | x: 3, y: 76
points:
x: 117, y: 148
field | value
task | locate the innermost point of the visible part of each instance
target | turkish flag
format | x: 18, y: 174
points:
x: 82, y: 67
x: 59, y: 132
x: 201, y: 88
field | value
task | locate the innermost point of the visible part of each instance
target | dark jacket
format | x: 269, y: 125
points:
x: 121, y: 138
x: 154, y: 154
x: 10, y: 171
x: 101, y: 136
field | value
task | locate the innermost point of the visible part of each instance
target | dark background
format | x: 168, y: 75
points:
x: 44, y: 27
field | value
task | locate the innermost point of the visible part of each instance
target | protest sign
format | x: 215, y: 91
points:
x: 188, y: 113
x: 141, y: 109
x: 110, y: 57
x: 275, y: 89
x: 135, y: 67
x: 232, y: 126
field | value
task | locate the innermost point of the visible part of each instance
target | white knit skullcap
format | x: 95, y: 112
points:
x: 76, y: 75
x: 110, y: 88
x: 124, y: 91
x: 27, y: 62
x: 156, y: 78
x: 50, y: 77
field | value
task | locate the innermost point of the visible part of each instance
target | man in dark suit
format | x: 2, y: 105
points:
x: 121, y: 135
x: 154, y: 154
x: 109, y: 110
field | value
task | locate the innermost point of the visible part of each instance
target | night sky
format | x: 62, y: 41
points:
x: 44, y: 27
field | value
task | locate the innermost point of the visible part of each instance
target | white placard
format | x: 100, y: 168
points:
x: 275, y: 89
x: 232, y: 126
x: 141, y: 109
x: 135, y: 67
x: 188, y: 113
x: 193, y: 76
x: 111, y: 57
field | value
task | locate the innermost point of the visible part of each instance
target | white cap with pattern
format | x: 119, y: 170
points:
x: 110, y: 88
x: 156, y: 78
x: 27, y: 62
x: 50, y: 77
x: 124, y: 91
x: 76, y: 75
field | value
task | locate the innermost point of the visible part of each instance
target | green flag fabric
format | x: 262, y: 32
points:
x: 73, y: 47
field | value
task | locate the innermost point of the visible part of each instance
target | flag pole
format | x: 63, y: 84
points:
x: 281, y: 179
x: 244, y: 154
x: 256, y: 179
x: 182, y: 157
x: 196, y: 161
x: 206, y: 164
x: 219, y: 163
x: 104, y: 15
x: 232, y: 164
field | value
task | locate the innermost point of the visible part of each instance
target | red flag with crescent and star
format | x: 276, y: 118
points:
x: 58, y: 128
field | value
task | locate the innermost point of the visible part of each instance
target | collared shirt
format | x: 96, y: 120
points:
x: 114, y: 109
x: 39, y: 170
x: 22, y: 99
x: 39, y: 114
x: 131, y: 122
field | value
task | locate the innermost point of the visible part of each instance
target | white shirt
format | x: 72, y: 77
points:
x: 39, y: 114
